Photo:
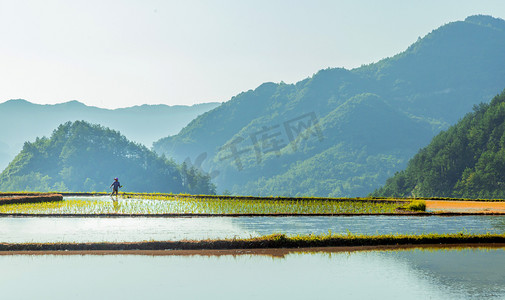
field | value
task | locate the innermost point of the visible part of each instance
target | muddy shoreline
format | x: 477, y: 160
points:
x: 19, y: 199
x: 267, y: 242
x: 271, y: 252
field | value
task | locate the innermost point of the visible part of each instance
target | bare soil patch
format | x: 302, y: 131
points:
x: 465, y: 206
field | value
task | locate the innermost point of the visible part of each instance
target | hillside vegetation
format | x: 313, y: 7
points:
x: 143, y: 124
x: 344, y: 132
x: 83, y: 157
x: 467, y: 160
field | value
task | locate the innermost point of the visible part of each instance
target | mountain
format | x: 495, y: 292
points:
x: 24, y: 121
x: 344, y: 132
x: 83, y: 157
x: 467, y: 160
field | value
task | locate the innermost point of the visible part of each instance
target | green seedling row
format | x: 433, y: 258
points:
x: 188, y: 205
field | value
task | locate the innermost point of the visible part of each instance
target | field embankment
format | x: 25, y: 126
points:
x: 6, y: 199
x: 272, y: 252
x: 273, y: 241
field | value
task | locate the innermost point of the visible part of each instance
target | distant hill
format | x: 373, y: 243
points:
x: 83, y: 157
x: 143, y: 124
x: 467, y: 160
x: 344, y: 132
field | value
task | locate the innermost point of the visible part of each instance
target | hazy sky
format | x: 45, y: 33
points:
x: 123, y: 53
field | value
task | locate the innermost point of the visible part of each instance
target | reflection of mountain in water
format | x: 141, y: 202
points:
x: 356, y: 275
x: 466, y: 273
x: 498, y: 222
x: 371, y: 224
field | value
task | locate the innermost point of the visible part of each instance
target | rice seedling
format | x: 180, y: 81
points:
x: 173, y: 204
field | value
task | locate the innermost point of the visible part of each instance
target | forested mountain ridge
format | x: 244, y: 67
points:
x: 467, y: 160
x: 437, y: 76
x: 369, y: 120
x: 82, y: 157
x: 142, y: 124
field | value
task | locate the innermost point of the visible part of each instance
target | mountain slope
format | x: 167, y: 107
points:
x: 349, y: 151
x: 83, y: 157
x: 143, y: 124
x: 467, y: 160
x: 253, y: 141
x: 436, y: 76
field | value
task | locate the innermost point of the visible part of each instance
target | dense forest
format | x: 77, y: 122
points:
x: 467, y: 160
x: 344, y: 132
x: 83, y: 157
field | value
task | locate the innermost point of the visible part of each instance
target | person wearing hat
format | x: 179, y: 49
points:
x: 115, y: 187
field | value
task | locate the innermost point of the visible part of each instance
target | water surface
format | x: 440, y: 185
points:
x: 57, y: 229
x: 406, y: 274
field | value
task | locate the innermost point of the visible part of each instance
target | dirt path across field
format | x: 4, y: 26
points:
x: 465, y: 206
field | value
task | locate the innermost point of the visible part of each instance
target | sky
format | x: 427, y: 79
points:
x: 112, y: 53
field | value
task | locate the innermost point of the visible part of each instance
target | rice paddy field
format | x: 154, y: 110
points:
x: 148, y: 204
x: 321, y: 248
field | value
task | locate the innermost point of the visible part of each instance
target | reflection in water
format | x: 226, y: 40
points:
x: 498, y: 223
x: 468, y: 273
x: 372, y: 224
x: 54, y: 229
x: 115, y: 204
x: 412, y: 274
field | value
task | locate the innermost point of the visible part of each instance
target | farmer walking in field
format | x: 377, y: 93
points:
x: 115, y: 187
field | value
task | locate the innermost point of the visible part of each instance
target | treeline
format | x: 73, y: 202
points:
x: 83, y: 157
x: 467, y: 160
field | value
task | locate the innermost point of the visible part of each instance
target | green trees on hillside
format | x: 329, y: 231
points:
x: 143, y: 124
x: 467, y: 160
x: 83, y: 157
x: 373, y: 118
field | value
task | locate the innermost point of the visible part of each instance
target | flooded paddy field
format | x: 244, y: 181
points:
x: 412, y: 273
x: 186, y: 205
x: 453, y: 273
x: 135, y: 229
